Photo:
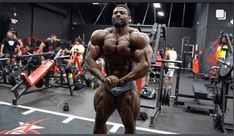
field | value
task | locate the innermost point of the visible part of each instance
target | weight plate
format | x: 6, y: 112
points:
x: 225, y: 70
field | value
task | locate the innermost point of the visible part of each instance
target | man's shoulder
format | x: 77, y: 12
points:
x: 99, y: 35
x: 142, y: 36
x: 4, y: 40
x: 130, y: 30
x: 139, y: 39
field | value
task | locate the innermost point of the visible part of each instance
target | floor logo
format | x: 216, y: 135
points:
x: 25, y: 128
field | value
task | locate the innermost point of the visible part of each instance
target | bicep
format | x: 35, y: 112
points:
x: 140, y: 56
x: 94, y: 52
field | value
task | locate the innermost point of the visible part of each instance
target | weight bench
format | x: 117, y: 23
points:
x: 38, y: 74
x: 200, y: 91
x: 34, y: 78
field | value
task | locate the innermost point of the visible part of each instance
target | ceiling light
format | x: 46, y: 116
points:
x: 231, y: 21
x: 220, y: 14
x: 160, y: 13
x: 96, y: 3
x: 157, y: 5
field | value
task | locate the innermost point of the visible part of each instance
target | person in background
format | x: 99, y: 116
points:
x: 51, y: 44
x: 78, y: 49
x: 221, y: 51
x: 170, y: 55
x: 10, y: 47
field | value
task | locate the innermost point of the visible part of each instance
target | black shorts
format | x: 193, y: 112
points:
x: 10, y: 54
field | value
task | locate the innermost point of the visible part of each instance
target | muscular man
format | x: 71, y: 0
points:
x: 172, y: 56
x: 124, y: 50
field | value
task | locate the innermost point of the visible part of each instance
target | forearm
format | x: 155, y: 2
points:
x: 94, y: 68
x: 2, y: 48
x: 139, y: 71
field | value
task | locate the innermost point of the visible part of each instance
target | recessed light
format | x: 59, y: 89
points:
x: 160, y: 13
x: 157, y: 5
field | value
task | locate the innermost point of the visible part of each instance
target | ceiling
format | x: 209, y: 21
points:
x: 88, y: 13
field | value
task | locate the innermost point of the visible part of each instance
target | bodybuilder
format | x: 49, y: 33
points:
x: 124, y: 50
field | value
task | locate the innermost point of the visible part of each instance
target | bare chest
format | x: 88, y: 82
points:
x: 117, y: 46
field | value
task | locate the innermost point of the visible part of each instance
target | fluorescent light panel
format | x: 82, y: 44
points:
x: 157, y: 5
x: 160, y: 13
x: 96, y: 3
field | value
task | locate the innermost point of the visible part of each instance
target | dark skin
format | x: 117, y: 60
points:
x: 124, y: 50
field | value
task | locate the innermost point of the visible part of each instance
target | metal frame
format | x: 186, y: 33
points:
x: 157, y: 32
x: 26, y: 90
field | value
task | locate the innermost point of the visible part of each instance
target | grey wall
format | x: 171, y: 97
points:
x: 209, y: 28
x: 214, y: 26
x: 175, y: 35
x: 86, y: 30
x: 45, y: 22
x: 200, y: 23
x: 23, y: 26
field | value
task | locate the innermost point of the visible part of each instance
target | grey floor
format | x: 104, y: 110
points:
x: 172, y: 119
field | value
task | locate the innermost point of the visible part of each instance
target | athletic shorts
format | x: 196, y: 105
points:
x: 170, y: 72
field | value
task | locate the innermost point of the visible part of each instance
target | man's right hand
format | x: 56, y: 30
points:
x: 111, y: 81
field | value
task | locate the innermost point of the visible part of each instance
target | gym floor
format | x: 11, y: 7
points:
x: 43, y: 112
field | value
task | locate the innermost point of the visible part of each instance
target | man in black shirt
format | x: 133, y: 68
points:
x: 10, y: 46
x: 49, y: 45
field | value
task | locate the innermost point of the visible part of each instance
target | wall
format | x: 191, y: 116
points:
x: 44, y: 21
x: 86, y: 30
x: 175, y: 35
x: 214, y: 26
x: 209, y: 28
x: 23, y: 11
x: 200, y: 23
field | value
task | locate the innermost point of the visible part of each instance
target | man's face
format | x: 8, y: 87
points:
x: 10, y: 35
x: 77, y: 42
x: 120, y: 17
x: 54, y: 38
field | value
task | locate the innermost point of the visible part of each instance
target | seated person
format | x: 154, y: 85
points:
x: 10, y: 47
x: 49, y: 45
x: 76, y: 48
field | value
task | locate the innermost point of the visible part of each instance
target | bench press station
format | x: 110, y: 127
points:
x: 36, y: 77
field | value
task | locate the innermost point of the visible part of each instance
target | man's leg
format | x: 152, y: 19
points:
x: 170, y: 78
x: 104, y: 105
x: 128, y: 106
x: 147, y: 79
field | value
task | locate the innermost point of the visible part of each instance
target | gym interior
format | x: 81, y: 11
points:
x: 52, y: 92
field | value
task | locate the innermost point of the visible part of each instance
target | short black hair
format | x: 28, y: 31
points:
x: 170, y: 46
x: 53, y: 35
x: 123, y: 6
x: 78, y: 39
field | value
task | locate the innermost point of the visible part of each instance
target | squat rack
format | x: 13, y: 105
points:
x: 157, y: 32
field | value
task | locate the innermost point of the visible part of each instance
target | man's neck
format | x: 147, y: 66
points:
x: 121, y: 30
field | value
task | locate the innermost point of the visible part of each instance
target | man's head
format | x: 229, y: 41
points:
x: 170, y: 46
x: 54, y: 37
x: 121, y: 16
x: 10, y: 35
x: 77, y: 41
